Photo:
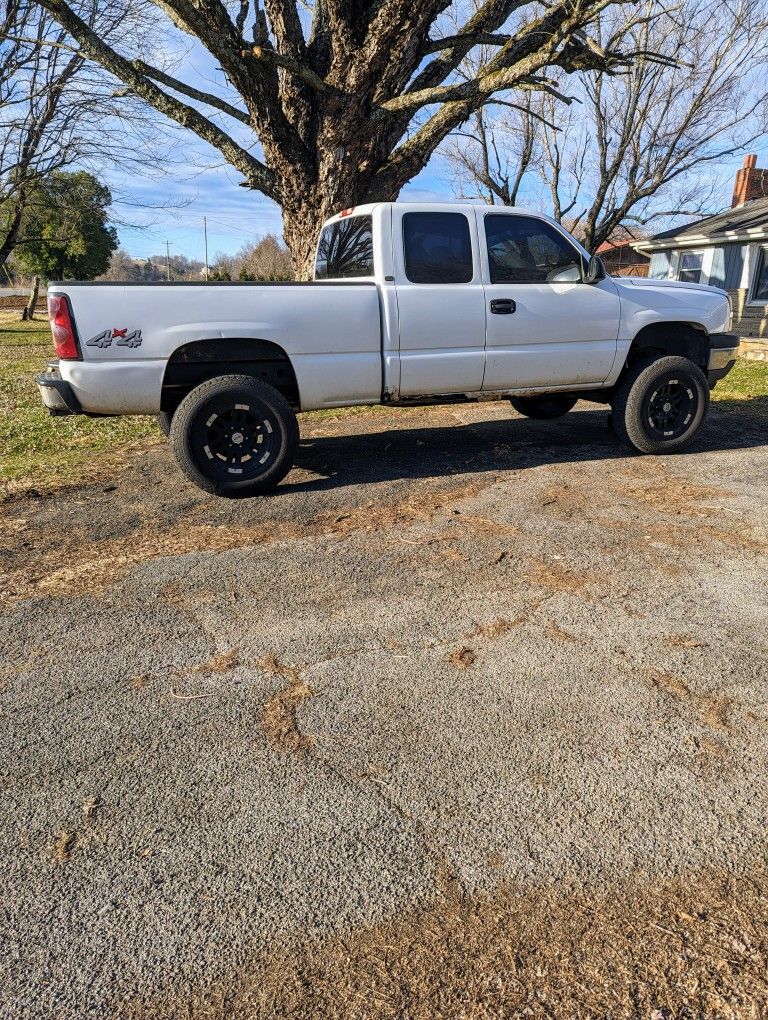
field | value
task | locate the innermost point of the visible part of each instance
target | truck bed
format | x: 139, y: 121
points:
x: 336, y: 357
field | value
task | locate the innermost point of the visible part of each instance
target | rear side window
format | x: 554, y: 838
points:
x: 522, y: 249
x: 345, y: 249
x: 438, y: 248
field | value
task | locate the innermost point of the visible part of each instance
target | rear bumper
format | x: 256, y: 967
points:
x: 723, y: 350
x: 57, y: 395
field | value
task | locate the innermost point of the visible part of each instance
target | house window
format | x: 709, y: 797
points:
x: 760, y: 286
x: 690, y: 266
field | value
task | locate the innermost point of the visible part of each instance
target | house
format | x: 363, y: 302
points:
x: 621, y: 259
x: 728, y: 250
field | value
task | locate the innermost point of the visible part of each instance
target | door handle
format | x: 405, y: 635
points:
x: 503, y: 306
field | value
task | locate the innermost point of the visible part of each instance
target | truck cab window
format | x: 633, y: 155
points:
x: 345, y: 249
x: 522, y: 249
x: 437, y: 247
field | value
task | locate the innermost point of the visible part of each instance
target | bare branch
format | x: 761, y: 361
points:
x: 187, y: 90
x: 693, y: 94
x: 268, y: 55
x: 451, y: 42
x: 255, y: 172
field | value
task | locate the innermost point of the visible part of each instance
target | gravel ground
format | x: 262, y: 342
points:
x: 456, y: 652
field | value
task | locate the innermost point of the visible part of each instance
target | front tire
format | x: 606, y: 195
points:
x: 659, y: 406
x: 548, y: 405
x: 234, y: 436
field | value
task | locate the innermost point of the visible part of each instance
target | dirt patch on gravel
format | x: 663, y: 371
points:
x: 462, y: 658
x: 673, y: 495
x: 683, y: 950
x: 279, y: 718
x: 495, y: 629
x: 70, y: 565
x: 670, y: 684
x: 62, y: 848
x: 692, y: 535
x: 565, y: 501
x: 683, y: 641
x: 556, y: 577
x: 559, y: 634
x: 712, y: 710
x: 222, y: 663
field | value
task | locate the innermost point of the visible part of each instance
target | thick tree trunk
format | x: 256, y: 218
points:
x: 300, y: 228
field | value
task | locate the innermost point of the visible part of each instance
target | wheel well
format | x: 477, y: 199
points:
x: 193, y: 363
x: 686, y: 339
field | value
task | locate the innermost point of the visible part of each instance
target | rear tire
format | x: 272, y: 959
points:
x: 548, y: 405
x: 234, y: 436
x: 660, y: 405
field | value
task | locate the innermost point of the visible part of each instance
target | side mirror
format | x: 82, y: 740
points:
x: 595, y: 270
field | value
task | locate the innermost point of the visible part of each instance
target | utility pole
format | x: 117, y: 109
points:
x: 168, y: 260
x: 205, y: 231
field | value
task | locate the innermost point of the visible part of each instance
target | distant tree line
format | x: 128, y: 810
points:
x: 124, y: 268
x: 267, y: 260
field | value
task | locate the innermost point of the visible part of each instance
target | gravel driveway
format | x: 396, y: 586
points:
x: 459, y: 666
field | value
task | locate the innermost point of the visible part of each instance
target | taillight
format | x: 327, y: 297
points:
x: 63, y: 328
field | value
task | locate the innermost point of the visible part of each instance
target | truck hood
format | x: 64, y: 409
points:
x: 652, y: 300
x: 640, y: 281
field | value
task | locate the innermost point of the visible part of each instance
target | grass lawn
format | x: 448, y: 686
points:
x: 39, y: 450
x: 747, y: 381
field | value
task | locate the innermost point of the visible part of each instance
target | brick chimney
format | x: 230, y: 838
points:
x: 751, y: 182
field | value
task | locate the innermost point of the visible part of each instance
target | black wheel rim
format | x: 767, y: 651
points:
x: 670, y: 407
x: 235, y: 439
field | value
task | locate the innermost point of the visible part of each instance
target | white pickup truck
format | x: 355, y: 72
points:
x: 411, y: 304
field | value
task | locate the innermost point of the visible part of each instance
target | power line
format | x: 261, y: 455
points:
x: 231, y: 226
x: 205, y: 230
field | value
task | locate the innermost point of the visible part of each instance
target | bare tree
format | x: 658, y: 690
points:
x: 31, y: 91
x: 346, y: 99
x: 267, y: 259
x: 641, y: 144
x: 492, y: 158
x: 56, y: 109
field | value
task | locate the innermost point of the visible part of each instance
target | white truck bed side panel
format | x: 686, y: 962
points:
x: 330, y: 331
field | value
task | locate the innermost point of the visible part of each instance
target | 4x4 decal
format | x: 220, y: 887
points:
x: 122, y: 336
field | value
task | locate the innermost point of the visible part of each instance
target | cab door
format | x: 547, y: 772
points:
x: 440, y: 302
x: 545, y: 326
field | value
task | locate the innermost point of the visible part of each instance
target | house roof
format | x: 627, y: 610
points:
x: 613, y: 245
x: 747, y: 222
x: 622, y: 252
